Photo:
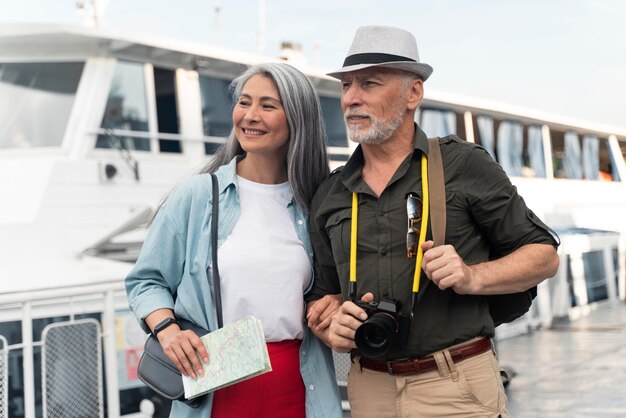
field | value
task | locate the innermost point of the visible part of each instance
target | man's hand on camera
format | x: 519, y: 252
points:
x: 344, y: 325
x: 445, y: 267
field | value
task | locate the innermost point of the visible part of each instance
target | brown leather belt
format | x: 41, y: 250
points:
x: 424, y: 364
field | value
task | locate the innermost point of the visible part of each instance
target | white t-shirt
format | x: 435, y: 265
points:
x: 264, y: 268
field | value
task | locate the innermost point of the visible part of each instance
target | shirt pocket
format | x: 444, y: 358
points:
x: 338, y: 229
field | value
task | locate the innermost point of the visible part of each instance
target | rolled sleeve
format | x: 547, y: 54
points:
x: 499, y: 210
x: 155, y: 277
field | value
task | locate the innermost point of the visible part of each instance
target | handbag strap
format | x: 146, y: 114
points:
x: 437, y: 191
x: 216, y: 271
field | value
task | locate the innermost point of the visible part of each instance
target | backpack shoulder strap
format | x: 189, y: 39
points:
x: 437, y: 191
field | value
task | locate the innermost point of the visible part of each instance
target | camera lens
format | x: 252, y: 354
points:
x: 374, y: 337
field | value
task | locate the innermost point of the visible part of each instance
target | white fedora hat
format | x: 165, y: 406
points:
x: 384, y: 46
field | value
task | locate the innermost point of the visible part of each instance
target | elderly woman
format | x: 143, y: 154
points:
x: 268, y: 171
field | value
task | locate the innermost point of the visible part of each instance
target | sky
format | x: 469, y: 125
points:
x: 563, y: 57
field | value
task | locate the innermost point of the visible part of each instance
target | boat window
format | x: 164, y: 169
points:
x: 510, y: 147
x: 597, y: 161
x: 167, y: 111
x: 567, y: 155
x: 557, y: 140
x: 622, y: 146
x: 518, y: 149
x: 36, y: 102
x: 572, y: 161
x: 534, y: 160
x: 217, y: 109
x: 435, y: 122
x: 126, y: 110
x: 332, y: 114
x: 591, y: 157
x: 608, y: 163
x: 485, y: 134
x: 217, y: 106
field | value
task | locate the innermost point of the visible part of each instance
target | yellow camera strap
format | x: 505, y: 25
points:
x: 422, y: 238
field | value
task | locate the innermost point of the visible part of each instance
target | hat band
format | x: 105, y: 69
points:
x: 374, y: 58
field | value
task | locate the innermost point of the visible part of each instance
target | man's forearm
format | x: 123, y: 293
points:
x: 522, y: 269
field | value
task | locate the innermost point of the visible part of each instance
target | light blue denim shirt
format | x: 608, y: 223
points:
x: 172, y: 270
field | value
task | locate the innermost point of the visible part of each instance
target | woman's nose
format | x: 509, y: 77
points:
x: 252, y: 114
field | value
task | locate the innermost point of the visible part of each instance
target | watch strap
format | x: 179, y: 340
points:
x: 164, y: 324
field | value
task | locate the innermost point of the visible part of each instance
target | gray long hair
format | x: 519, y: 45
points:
x: 307, y: 163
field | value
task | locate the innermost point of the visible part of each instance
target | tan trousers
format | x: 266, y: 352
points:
x: 469, y: 388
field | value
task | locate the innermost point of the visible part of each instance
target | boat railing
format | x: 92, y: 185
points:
x: 591, y: 273
x: 339, y: 153
x: 4, y: 378
x: 72, y: 350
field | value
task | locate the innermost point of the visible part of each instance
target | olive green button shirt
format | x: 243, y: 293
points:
x: 486, y: 219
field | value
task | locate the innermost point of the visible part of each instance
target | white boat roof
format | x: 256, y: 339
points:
x: 25, y: 274
x: 524, y: 114
x: 18, y: 41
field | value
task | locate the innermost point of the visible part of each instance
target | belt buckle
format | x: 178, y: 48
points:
x: 390, y: 367
x: 390, y: 364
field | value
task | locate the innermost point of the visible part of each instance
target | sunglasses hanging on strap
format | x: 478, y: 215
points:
x: 433, y: 204
x: 412, y: 233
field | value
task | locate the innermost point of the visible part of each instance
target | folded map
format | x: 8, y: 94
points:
x: 236, y: 352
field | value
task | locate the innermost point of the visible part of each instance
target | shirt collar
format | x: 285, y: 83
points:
x: 351, y: 173
x: 420, y: 140
x: 227, y: 174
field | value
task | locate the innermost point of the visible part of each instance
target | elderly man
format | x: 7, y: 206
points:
x: 426, y: 348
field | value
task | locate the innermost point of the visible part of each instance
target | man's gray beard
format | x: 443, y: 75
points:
x: 378, y: 133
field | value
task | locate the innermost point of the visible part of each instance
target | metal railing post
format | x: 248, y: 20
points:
x: 578, y: 276
x: 610, y: 273
x: 110, y: 356
x: 28, y: 361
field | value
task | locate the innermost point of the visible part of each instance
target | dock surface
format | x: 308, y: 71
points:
x: 575, y: 368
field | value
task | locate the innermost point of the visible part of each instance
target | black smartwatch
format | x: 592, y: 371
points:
x: 164, y: 324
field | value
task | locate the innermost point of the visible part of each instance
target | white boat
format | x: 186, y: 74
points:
x: 96, y: 126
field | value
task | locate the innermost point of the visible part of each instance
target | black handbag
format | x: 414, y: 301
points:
x: 158, y: 372
x: 155, y: 369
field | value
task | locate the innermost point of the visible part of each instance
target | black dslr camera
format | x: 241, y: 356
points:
x: 385, y: 327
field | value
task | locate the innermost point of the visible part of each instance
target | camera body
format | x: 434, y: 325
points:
x: 386, y: 326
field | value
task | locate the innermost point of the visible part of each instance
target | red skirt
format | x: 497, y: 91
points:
x: 279, y: 393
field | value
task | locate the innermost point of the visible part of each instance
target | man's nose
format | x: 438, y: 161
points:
x: 351, y: 96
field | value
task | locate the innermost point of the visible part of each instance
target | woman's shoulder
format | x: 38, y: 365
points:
x: 194, y: 188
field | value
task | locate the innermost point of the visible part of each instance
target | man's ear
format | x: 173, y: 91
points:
x: 416, y: 94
